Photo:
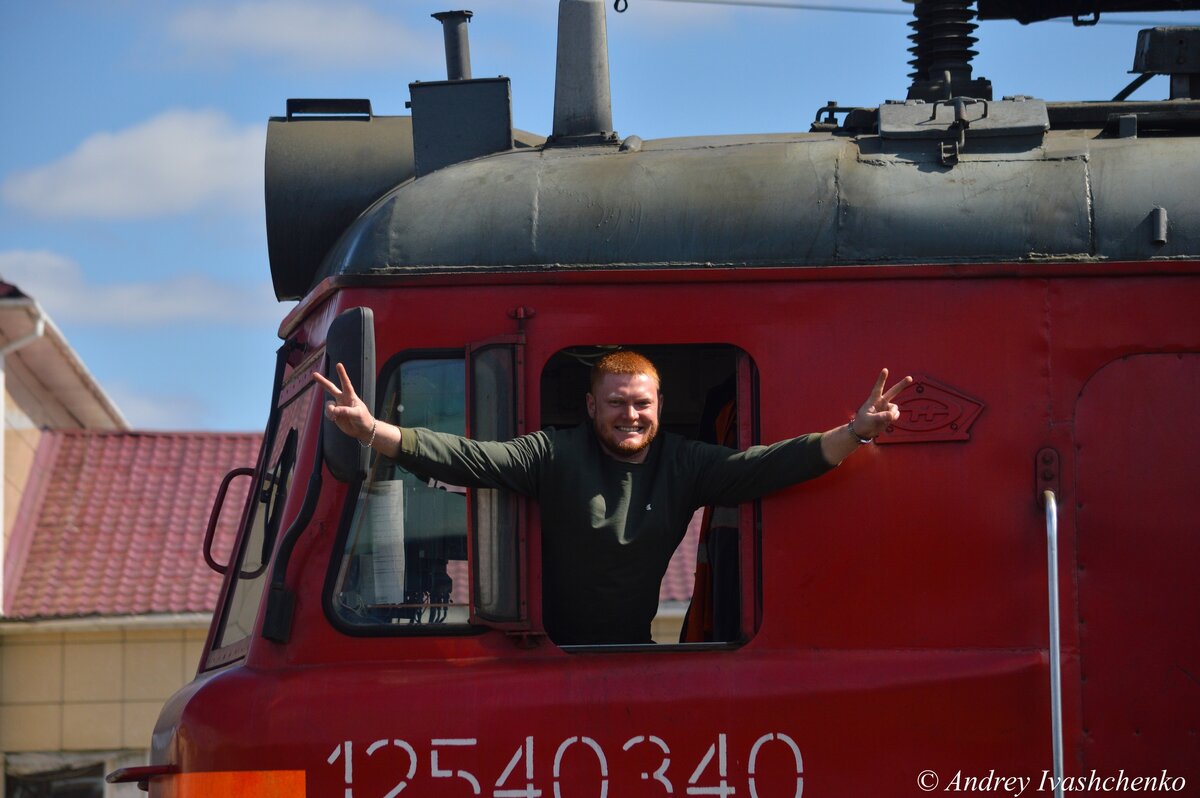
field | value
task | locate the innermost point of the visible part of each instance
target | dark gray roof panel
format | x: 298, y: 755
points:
x: 801, y: 200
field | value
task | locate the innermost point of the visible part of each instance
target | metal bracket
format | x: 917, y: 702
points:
x: 960, y: 110
x: 526, y: 639
x: 521, y: 314
x: 830, y: 109
x: 948, y: 150
x: 1046, y: 474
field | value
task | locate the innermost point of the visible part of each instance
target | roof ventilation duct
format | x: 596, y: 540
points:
x: 460, y: 118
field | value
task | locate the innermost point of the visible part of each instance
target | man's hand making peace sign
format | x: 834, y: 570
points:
x: 868, y: 423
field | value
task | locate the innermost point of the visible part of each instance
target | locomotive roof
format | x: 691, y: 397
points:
x: 806, y: 199
x: 964, y: 179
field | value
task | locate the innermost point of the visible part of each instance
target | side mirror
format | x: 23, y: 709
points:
x: 351, y: 342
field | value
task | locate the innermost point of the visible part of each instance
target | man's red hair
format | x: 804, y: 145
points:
x: 623, y: 361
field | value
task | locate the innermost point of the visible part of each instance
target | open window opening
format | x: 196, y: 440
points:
x: 707, y: 592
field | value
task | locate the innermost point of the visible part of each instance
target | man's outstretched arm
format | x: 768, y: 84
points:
x: 512, y: 465
x: 868, y: 423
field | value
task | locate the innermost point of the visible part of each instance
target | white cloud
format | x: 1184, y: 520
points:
x: 178, y: 161
x: 146, y: 410
x: 311, y: 33
x: 60, y: 286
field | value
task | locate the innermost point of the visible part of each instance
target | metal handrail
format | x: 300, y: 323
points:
x: 1055, y: 650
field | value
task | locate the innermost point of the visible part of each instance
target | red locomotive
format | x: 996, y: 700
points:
x: 890, y: 629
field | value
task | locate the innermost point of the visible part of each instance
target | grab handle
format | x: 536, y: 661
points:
x: 1055, y: 649
x: 215, y: 516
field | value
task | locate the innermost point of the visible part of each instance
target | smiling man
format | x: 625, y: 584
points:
x: 616, y: 496
x: 624, y: 404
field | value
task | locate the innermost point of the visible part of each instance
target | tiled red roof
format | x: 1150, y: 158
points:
x: 112, y: 523
x: 10, y: 291
x: 681, y: 572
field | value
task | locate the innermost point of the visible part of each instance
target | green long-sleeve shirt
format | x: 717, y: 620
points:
x: 609, y: 528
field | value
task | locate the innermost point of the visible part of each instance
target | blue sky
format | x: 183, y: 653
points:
x: 133, y: 134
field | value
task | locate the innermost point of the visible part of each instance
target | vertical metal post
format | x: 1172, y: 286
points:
x: 1055, y: 650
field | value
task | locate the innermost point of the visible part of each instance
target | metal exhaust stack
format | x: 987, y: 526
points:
x: 582, y: 102
x: 458, y: 49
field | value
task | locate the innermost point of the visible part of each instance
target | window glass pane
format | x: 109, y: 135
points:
x: 405, y: 557
x: 253, y: 572
x: 493, y: 417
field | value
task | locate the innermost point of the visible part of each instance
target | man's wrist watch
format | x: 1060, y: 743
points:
x: 857, y: 437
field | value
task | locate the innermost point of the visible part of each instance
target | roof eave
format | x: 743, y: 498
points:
x: 107, y: 623
x: 71, y: 396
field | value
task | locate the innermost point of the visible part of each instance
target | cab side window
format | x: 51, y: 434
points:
x: 404, y: 563
x: 265, y: 512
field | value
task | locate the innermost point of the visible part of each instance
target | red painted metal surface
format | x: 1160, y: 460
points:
x: 1138, y: 548
x: 902, y: 635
